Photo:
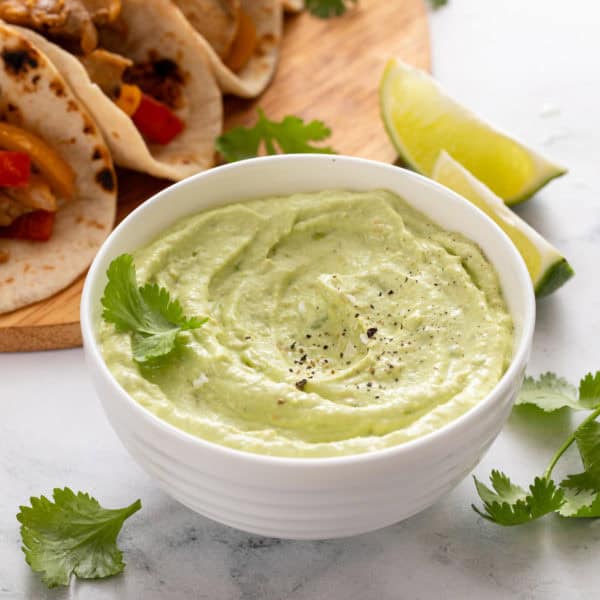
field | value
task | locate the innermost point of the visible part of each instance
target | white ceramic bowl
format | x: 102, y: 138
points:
x: 308, y: 498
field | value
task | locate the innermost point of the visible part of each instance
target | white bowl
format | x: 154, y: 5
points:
x: 309, y: 498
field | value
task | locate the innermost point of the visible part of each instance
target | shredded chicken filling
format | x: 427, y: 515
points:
x: 72, y: 22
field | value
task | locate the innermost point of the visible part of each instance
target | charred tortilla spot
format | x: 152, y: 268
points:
x: 106, y: 178
x: 11, y: 107
x: 88, y: 128
x: 95, y: 224
x: 71, y: 106
x: 9, y: 280
x: 265, y: 44
x: 97, y: 154
x: 48, y: 267
x: 19, y: 60
x: 35, y: 79
x: 57, y: 87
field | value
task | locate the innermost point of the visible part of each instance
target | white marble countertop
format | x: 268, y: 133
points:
x: 532, y: 68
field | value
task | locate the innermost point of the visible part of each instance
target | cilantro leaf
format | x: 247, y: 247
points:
x: 582, y: 504
x: 325, y: 9
x: 435, y: 4
x: 289, y: 136
x: 122, y: 301
x: 589, y: 391
x: 510, y: 504
x: 582, y: 490
x: 147, y: 312
x: 72, y: 535
x: 548, y: 393
x: 587, y: 438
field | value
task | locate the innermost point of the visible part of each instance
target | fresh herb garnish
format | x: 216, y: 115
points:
x: 72, y: 535
x: 325, y: 9
x: 578, y: 495
x: 435, y: 4
x: 550, y: 393
x: 509, y: 504
x: 147, y: 312
x: 289, y: 136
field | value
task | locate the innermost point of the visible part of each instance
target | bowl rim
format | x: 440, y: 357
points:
x: 517, y: 364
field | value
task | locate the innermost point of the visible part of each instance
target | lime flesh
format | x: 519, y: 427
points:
x: 547, y: 267
x: 422, y: 120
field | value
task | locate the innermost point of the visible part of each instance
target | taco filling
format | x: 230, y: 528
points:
x: 34, y: 183
x: 244, y: 43
x: 226, y: 26
x: 149, y: 92
x: 71, y: 23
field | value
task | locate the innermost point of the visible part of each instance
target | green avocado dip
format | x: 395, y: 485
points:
x: 339, y: 322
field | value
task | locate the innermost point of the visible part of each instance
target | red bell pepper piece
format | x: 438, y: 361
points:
x: 15, y: 168
x: 36, y: 225
x: 156, y: 121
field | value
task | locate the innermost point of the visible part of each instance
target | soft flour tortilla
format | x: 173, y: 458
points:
x: 36, y: 97
x: 217, y: 21
x: 152, y: 28
x: 267, y: 16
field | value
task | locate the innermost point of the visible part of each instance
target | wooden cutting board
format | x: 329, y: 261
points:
x: 328, y: 70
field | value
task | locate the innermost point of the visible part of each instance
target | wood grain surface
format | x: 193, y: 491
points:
x: 328, y: 70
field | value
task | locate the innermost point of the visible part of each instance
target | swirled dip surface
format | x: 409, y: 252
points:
x: 340, y: 322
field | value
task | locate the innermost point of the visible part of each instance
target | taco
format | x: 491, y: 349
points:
x: 57, y: 183
x: 242, y: 38
x: 149, y: 85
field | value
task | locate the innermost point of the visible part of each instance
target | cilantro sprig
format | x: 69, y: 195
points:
x: 578, y: 495
x: 147, y: 312
x: 289, y: 136
x: 324, y: 9
x: 73, y: 535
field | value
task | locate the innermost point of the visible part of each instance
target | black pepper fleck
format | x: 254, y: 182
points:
x: 371, y: 332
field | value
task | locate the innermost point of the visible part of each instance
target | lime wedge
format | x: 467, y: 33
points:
x: 421, y: 120
x: 547, y: 267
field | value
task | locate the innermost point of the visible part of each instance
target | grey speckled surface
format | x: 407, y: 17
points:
x: 532, y: 68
